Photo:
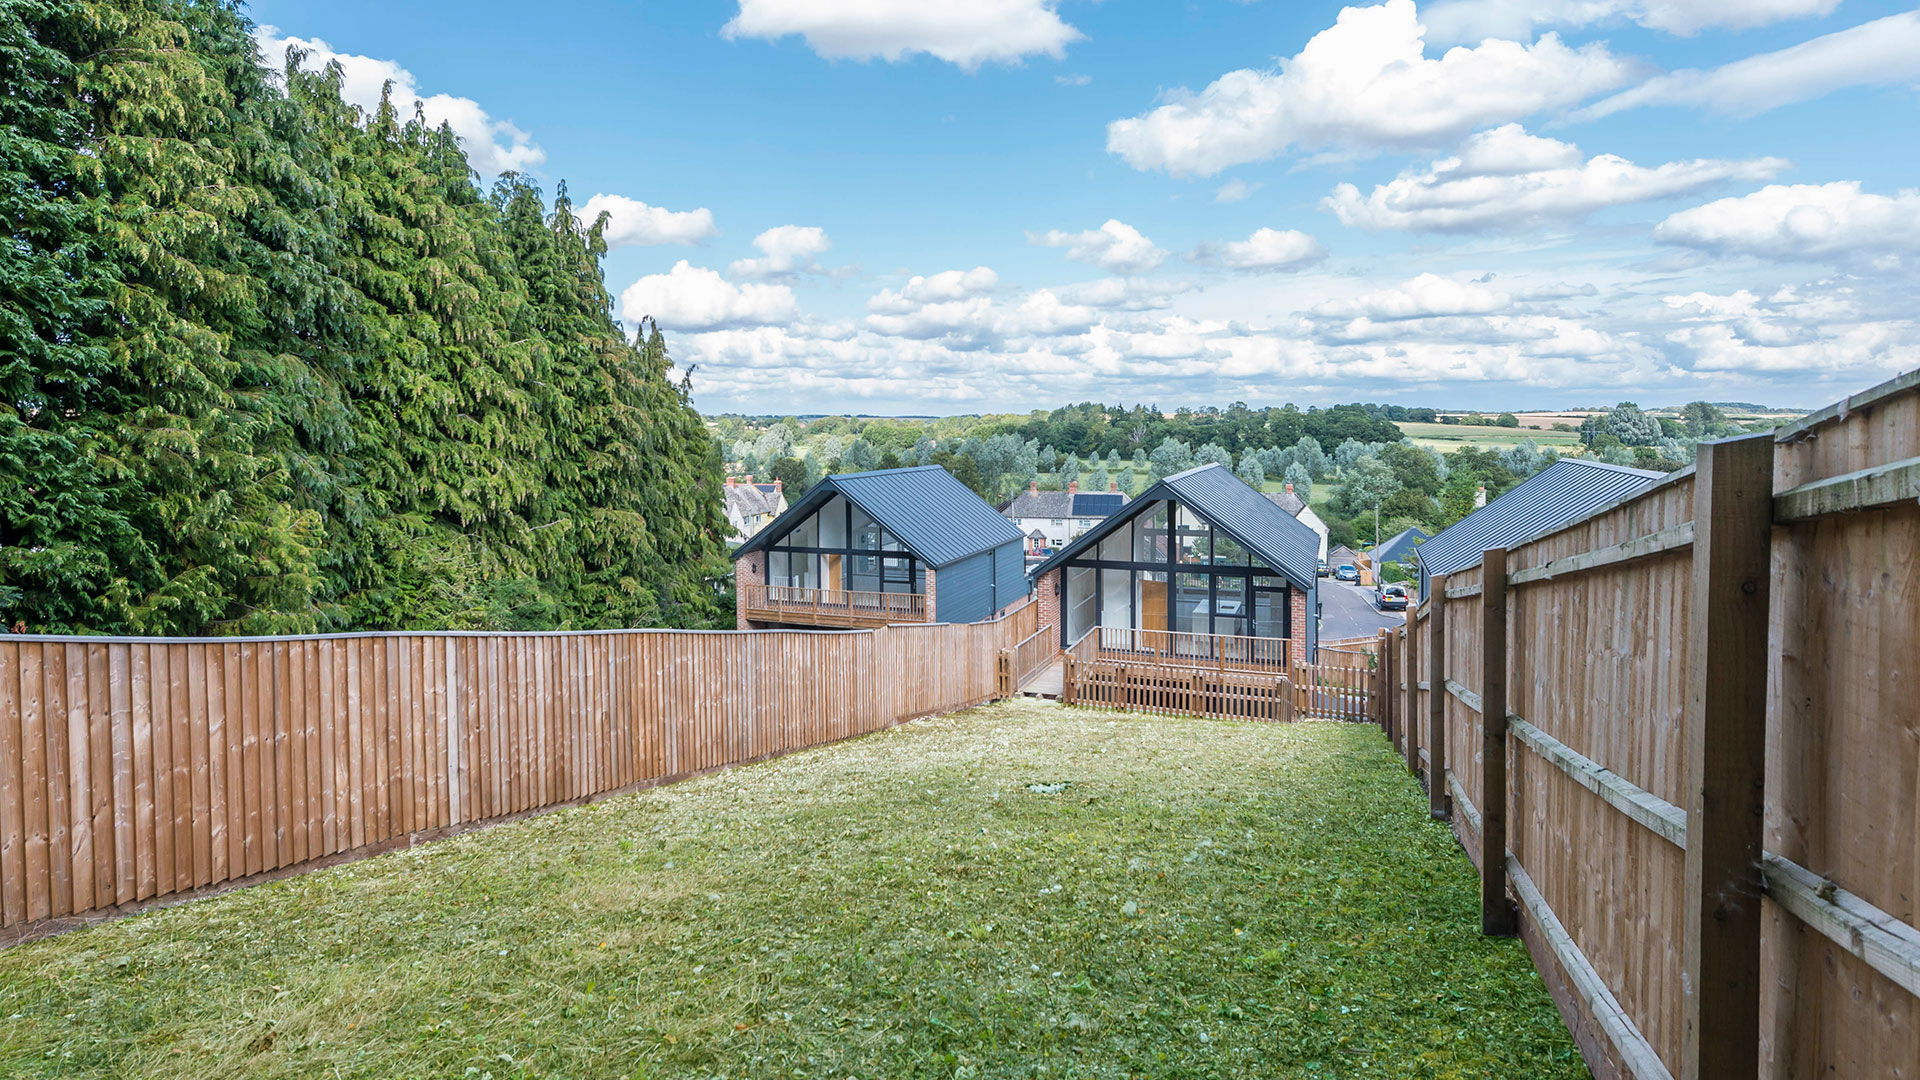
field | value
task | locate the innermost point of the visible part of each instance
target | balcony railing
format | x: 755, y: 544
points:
x: 832, y: 607
x: 1222, y: 652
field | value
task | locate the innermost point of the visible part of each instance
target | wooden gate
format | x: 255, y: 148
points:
x: 1337, y: 690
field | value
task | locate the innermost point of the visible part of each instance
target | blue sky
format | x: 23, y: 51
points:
x: 926, y: 207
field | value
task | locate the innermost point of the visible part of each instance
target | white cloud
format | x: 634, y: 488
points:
x: 691, y: 299
x: 1115, y: 246
x: 493, y: 146
x: 1235, y: 190
x: 631, y: 222
x: 1271, y: 249
x: 948, y: 285
x: 1073, y: 80
x: 1508, y: 179
x: 967, y: 34
x: 1472, y: 20
x: 1791, y: 333
x: 1884, y: 52
x: 1363, y: 84
x: 1801, y: 221
x: 1423, y: 297
x: 786, y: 250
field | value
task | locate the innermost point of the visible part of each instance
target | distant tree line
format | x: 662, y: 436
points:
x: 272, y: 365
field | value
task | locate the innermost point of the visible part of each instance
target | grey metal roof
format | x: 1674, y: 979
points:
x: 1564, y: 491
x: 1399, y: 545
x: 1280, y: 540
x: 936, y: 516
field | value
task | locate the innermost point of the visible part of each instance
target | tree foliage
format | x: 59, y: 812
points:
x: 275, y: 365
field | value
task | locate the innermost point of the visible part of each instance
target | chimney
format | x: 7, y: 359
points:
x: 730, y: 481
x: 749, y: 478
x: 1480, y: 496
x: 1033, y: 487
x: 776, y: 486
x: 1073, y: 487
x: 1289, y: 489
x: 1113, y: 486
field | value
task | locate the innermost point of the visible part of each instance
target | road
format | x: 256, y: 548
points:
x: 1347, y: 611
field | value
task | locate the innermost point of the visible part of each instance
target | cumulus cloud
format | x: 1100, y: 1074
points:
x: 785, y: 250
x: 1811, y: 334
x: 631, y: 222
x: 1267, y: 250
x: 693, y: 299
x: 1363, y: 84
x: 1801, y: 221
x: 1884, y: 52
x: 1115, y: 246
x: 1423, y: 297
x: 1472, y: 20
x: 948, y: 285
x: 965, y: 34
x: 493, y: 146
x: 1508, y: 179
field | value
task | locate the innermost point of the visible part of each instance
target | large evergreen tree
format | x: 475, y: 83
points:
x: 272, y: 365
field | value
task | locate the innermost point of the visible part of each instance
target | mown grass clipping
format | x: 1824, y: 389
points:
x: 1018, y: 890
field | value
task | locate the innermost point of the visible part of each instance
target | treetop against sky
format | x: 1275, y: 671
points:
x: 912, y: 207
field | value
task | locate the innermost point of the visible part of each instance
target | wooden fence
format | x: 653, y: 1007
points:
x: 133, y: 769
x: 1678, y: 738
x: 1177, y: 690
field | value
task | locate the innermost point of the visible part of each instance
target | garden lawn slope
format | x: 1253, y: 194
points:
x: 1016, y: 890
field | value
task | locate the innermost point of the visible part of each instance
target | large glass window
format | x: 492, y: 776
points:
x: 866, y: 531
x: 833, y: 524
x: 1195, y: 538
x: 1150, y: 534
x: 1270, y: 613
x: 1116, y: 598
x: 1227, y: 551
x: 1191, y: 610
x: 1117, y: 547
x: 805, y: 534
x: 1150, y: 599
x: 1081, y: 602
x: 1230, y: 608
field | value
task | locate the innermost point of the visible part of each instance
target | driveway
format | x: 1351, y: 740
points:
x: 1347, y: 611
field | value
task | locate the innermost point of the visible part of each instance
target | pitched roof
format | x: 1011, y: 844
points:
x: 1564, y: 491
x: 1282, y: 542
x: 743, y: 499
x: 1399, y: 545
x: 1342, y: 554
x: 1286, y: 500
x: 1062, y: 504
x: 932, y: 513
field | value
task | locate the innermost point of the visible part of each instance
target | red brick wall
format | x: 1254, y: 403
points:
x: 933, y: 609
x: 1046, y: 593
x: 1301, y: 615
x: 749, y: 569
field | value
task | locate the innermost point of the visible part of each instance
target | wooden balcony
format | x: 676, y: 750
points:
x: 839, y: 608
x: 1221, y: 652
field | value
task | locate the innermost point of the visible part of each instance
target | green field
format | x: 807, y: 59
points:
x: 1020, y: 890
x: 1449, y: 437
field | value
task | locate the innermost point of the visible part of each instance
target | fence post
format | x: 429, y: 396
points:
x: 1409, y: 639
x: 1497, y: 916
x: 1439, y: 800
x: 1726, y: 757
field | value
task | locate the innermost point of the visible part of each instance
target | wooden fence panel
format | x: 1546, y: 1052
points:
x: 1600, y: 627
x: 132, y: 770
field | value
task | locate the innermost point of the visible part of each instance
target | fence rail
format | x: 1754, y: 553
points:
x: 137, y: 769
x: 1222, y: 652
x: 1557, y: 699
x: 835, y: 607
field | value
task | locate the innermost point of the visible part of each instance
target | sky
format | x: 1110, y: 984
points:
x: 947, y: 206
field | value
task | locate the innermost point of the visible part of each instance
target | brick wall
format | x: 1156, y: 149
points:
x: 749, y: 569
x: 1046, y: 593
x: 933, y: 609
x: 1300, y: 623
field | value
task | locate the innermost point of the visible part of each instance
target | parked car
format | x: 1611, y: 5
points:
x: 1347, y: 572
x: 1322, y: 570
x: 1391, y: 598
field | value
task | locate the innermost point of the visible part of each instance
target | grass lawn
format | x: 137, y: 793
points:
x: 1018, y: 890
x: 1447, y: 438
